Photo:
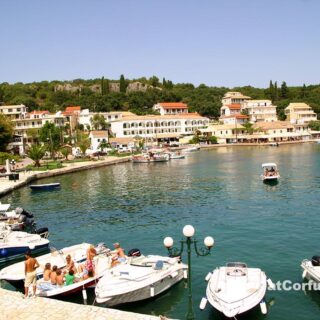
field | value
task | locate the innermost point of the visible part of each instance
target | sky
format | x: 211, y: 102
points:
x: 216, y: 42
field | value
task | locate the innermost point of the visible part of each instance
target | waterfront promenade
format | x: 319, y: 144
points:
x: 14, y: 307
x: 26, y: 177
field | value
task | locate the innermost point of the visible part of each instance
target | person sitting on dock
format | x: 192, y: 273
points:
x: 47, y: 272
x: 118, y: 255
x: 53, y: 275
x: 30, y: 267
x: 60, y: 279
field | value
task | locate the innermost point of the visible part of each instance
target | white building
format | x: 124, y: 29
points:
x: 14, y: 111
x: 259, y: 110
x: 300, y: 113
x: 158, y: 127
x: 170, y: 108
x: 96, y: 138
x: 236, y: 118
x: 234, y: 97
x: 85, y: 116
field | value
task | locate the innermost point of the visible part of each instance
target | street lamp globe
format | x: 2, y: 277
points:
x: 168, y: 242
x: 208, y: 242
x: 188, y: 231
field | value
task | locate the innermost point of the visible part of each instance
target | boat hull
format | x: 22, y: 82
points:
x: 143, y: 293
x: 49, y: 186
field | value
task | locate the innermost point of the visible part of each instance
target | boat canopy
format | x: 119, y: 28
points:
x: 269, y: 165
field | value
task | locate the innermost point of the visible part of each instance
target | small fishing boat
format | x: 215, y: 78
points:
x: 142, y: 277
x: 311, y: 269
x: 235, y: 289
x: 150, y: 157
x: 47, y: 186
x: 274, y: 144
x: 15, y: 274
x: 102, y: 263
x: 270, y: 172
x: 176, y: 155
x: 191, y: 149
x: 13, y: 244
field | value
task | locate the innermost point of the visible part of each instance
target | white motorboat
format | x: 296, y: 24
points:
x: 235, y: 289
x: 139, y: 279
x: 311, y: 269
x: 13, y: 244
x: 270, y: 172
x: 191, y: 149
x: 102, y: 262
x: 176, y: 155
x: 150, y: 157
x: 15, y: 274
x: 16, y: 220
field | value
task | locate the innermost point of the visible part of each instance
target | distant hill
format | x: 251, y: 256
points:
x: 139, y: 95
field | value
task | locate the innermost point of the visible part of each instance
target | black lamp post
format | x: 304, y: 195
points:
x: 188, y: 231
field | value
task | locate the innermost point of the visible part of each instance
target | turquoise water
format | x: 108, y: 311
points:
x: 220, y: 193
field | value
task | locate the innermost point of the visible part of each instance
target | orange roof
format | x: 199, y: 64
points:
x: 237, y: 116
x: 165, y: 117
x: 73, y: 108
x: 175, y: 105
x: 234, y: 106
x: 99, y: 134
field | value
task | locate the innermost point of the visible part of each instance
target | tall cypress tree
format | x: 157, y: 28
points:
x: 102, y: 87
x: 271, y: 90
x: 123, y: 86
x: 303, y: 92
x: 276, y: 91
x: 284, y: 90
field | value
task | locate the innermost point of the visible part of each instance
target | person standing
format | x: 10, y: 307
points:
x: 30, y: 267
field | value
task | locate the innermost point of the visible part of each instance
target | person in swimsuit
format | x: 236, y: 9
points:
x: 118, y: 255
x: 30, y: 267
x: 70, y: 264
x: 47, y: 272
x: 59, y: 278
x: 53, y: 275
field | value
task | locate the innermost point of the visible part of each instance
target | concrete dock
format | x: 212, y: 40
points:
x: 7, y: 185
x: 14, y: 307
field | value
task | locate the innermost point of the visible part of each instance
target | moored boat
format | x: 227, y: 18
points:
x: 13, y: 244
x: 102, y: 262
x: 47, y: 186
x: 191, y: 149
x: 140, y: 278
x: 311, y: 269
x: 235, y: 289
x: 176, y: 155
x: 15, y: 274
x: 270, y: 172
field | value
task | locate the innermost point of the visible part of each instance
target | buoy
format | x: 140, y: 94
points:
x: 203, y: 303
x: 208, y: 277
x: 271, y: 285
x: 185, y: 274
x: 304, y: 274
x: 84, y: 294
x: 151, y: 291
x: 263, y: 307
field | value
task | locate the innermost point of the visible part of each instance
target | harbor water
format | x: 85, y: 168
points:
x: 219, y: 192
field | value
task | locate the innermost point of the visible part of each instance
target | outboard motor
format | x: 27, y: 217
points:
x: 315, y: 261
x: 43, y: 232
x: 134, y: 253
x: 21, y: 211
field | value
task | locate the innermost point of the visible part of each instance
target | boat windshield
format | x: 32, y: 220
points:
x: 236, y: 265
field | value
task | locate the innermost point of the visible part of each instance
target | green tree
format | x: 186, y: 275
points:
x: 51, y: 136
x: 303, y: 93
x: 65, y: 152
x: 284, y: 90
x: 36, y: 152
x: 6, y: 132
x: 276, y: 91
x: 83, y: 142
x: 98, y: 122
x: 314, y: 125
x: 123, y: 84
